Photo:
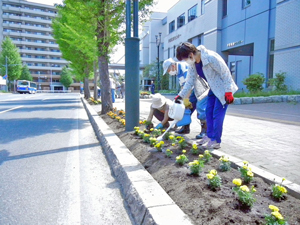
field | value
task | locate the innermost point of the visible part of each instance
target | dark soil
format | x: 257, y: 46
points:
x: 192, y: 193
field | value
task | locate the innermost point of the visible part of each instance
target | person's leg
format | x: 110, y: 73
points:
x: 113, y: 95
x: 219, y: 115
x: 211, y: 98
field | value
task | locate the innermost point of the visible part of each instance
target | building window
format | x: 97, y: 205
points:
x: 171, y: 26
x: 192, y: 13
x: 271, y: 59
x: 180, y: 20
x: 202, y: 7
x: 224, y: 9
x: 246, y: 3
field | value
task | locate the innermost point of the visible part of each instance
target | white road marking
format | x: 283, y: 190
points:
x: 11, y: 109
x: 70, y: 206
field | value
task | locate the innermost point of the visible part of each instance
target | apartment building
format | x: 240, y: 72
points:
x: 28, y: 24
x: 251, y: 35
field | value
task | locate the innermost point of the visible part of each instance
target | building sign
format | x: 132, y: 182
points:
x: 174, y: 38
x: 234, y: 43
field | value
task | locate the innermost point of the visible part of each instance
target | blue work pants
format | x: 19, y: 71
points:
x: 113, y: 97
x: 215, y: 114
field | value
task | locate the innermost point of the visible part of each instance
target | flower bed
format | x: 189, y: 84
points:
x: 202, y: 197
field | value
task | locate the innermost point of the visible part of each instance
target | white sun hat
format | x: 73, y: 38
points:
x: 167, y: 63
x: 158, y: 101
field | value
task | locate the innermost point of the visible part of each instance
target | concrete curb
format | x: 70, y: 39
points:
x: 147, y: 200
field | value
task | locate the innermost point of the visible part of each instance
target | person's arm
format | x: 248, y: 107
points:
x: 189, y: 82
x: 150, y: 116
x: 166, y: 115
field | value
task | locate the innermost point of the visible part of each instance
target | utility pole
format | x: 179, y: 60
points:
x: 132, y: 67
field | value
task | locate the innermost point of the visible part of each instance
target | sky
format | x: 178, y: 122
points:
x: 160, y: 6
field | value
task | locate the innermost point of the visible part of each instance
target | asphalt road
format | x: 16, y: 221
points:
x: 52, y: 169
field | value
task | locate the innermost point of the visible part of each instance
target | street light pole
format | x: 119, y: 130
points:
x: 158, y: 41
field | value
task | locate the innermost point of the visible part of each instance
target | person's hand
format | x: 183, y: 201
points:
x: 229, y: 97
x: 159, y: 126
x: 177, y: 98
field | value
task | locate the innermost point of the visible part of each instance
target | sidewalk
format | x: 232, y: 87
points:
x: 269, y: 146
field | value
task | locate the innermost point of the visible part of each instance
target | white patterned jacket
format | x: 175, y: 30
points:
x: 216, y: 73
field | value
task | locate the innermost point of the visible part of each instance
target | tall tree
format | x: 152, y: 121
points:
x: 103, y: 20
x: 10, y: 56
x: 25, y: 75
x: 65, y: 77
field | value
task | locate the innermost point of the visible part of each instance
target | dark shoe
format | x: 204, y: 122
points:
x: 200, y: 136
x: 184, y: 130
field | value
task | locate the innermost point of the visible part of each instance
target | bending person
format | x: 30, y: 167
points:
x: 208, y: 67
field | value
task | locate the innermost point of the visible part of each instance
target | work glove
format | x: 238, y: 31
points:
x: 229, y: 97
x: 159, y: 126
x: 177, y: 98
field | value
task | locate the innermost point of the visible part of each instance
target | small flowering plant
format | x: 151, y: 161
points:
x: 168, y: 153
x: 196, y: 167
x: 225, y: 164
x: 141, y: 134
x: 195, y: 149
x: 275, y: 218
x: 121, y: 112
x: 159, y: 146
x: 206, y: 156
x: 214, y: 180
x: 182, y: 143
x: 136, y: 130
x: 155, y: 132
x: 278, y: 191
x: 244, y: 193
x: 152, y: 141
x: 146, y: 138
x: 246, y: 173
x: 182, y: 159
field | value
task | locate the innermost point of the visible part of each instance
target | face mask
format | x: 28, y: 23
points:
x: 173, y: 72
x: 190, y: 61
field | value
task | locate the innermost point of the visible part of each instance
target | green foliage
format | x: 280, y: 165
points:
x: 278, y: 82
x: 225, y: 164
x: 25, y: 75
x: 14, y: 62
x: 196, y: 167
x: 65, y: 77
x: 245, y: 195
x: 214, y: 180
x: 254, y: 82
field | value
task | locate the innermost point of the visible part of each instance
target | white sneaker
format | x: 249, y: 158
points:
x: 203, y: 141
x: 212, y: 145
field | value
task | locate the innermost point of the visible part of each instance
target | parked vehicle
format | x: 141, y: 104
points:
x: 25, y: 86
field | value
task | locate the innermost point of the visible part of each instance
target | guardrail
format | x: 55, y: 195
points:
x: 54, y: 91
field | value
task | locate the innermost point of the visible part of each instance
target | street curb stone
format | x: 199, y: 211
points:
x: 146, y: 199
x: 269, y: 99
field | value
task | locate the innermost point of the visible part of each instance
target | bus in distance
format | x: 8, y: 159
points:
x: 26, y: 86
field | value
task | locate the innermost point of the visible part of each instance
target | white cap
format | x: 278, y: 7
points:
x: 167, y: 63
x: 158, y: 100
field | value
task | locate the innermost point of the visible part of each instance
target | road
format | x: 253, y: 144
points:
x: 52, y: 169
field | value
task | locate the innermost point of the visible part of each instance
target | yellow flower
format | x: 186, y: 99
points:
x: 244, y: 188
x: 171, y: 137
x: 283, y: 179
x: 196, y: 162
x: 183, y: 151
x: 191, y: 163
x: 168, y: 150
x: 210, y: 176
x: 195, y: 146
x: 250, y: 174
x: 213, y: 172
x: 178, y: 157
x: 173, y: 144
x: 273, y: 208
x: 245, y: 162
x: 206, y: 152
x: 201, y: 156
x: 151, y: 129
x: 277, y: 215
x: 245, y: 167
x: 282, y: 189
x: 237, y: 182
x: 163, y: 130
x: 161, y: 142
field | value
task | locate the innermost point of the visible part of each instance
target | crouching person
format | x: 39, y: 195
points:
x: 160, y: 109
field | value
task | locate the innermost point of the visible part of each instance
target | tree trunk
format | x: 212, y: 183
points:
x: 105, y: 85
x: 86, y: 88
x: 95, y: 81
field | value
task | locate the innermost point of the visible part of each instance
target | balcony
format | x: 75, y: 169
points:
x: 53, y: 61
x: 23, y: 10
x: 36, y: 52
x: 37, y: 36
x: 23, y: 18
x: 36, y: 44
